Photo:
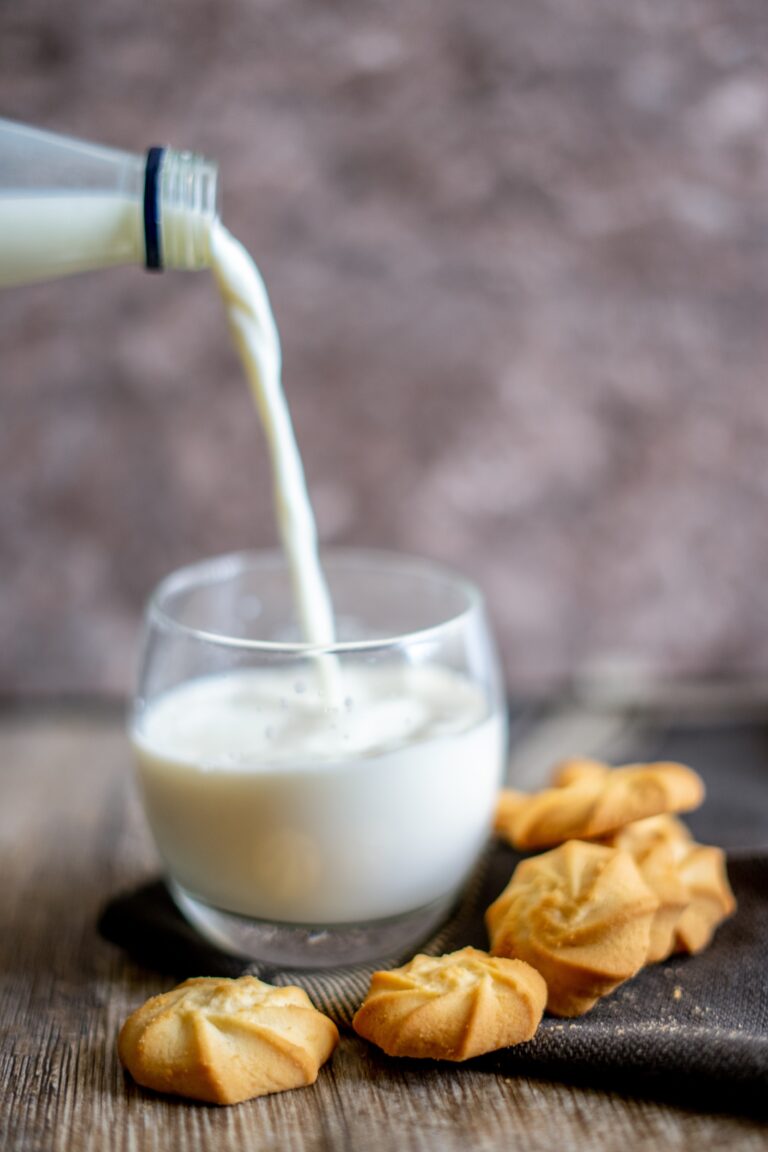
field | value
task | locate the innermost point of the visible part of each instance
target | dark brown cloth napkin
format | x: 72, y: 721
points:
x: 693, y: 1029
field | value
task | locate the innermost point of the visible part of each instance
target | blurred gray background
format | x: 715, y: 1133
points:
x: 517, y: 251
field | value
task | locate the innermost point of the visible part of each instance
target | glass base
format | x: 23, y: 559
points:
x: 306, y: 945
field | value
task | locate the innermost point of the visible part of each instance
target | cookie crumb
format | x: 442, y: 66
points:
x: 677, y: 992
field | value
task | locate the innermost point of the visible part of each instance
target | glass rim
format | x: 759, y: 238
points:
x: 215, y: 569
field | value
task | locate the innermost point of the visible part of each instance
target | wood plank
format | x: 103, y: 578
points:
x: 71, y: 834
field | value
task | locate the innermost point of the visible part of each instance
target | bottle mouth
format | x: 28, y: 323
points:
x: 180, y: 204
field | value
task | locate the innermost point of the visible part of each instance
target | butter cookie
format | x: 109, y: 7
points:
x: 589, y: 803
x: 581, y: 915
x: 452, y: 1007
x: 652, y: 844
x: 702, y: 870
x: 224, y: 1041
x: 689, y: 879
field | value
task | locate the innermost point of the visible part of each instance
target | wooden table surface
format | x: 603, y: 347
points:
x: 71, y: 835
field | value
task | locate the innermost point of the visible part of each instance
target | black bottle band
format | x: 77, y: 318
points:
x: 153, y: 256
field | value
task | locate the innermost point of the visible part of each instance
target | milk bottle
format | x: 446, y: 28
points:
x: 68, y: 206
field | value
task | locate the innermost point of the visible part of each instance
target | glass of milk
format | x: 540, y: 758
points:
x: 317, y: 806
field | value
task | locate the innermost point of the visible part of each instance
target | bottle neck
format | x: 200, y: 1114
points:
x: 69, y: 206
x: 180, y: 204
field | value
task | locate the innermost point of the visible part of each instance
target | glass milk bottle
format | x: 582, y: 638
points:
x: 68, y: 206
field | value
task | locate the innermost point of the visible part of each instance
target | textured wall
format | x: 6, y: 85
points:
x: 517, y: 251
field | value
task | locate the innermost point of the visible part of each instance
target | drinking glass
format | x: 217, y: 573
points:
x: 318, y: 806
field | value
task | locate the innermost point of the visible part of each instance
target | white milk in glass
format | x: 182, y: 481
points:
x: 268, y: 810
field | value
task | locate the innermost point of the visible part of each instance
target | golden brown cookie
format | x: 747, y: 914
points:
x: 652, y: 844
x: 224, y: 1041
x: 684, y: 874
x: 702, y: 870
x: 596, y: 803
x: 581, y: 915
x: 452, y: 1007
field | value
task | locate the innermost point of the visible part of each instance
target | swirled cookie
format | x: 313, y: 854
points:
x: 654, y: 846
x: 452, y: 1007
x: 593, y: 803
x: 581, y: 915
x: 224, y: 1041
x: 702, y: 870
x: 690, y: 880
